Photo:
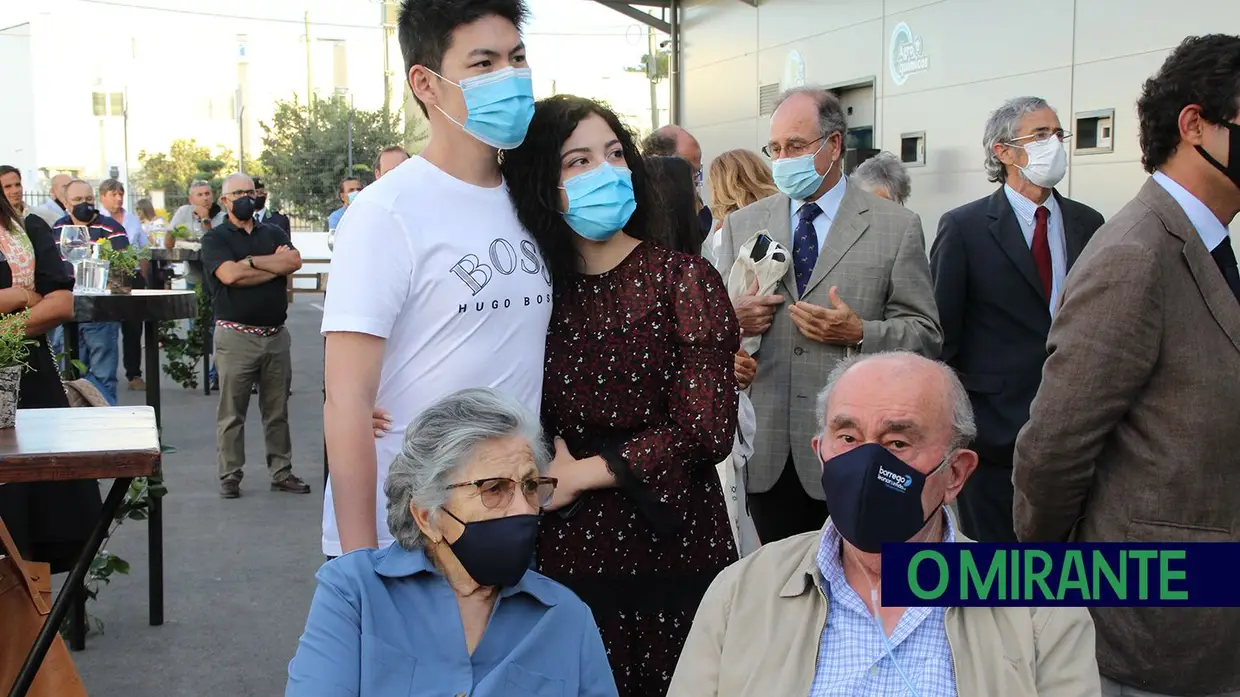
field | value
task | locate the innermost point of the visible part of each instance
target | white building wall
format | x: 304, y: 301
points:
x: 18, y: 146
x: 1084, y: 55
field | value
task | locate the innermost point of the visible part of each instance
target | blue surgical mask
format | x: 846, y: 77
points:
x: 352, y: 196
x: 797, y: 177
x: 500, y: 106
x: 600, y: 202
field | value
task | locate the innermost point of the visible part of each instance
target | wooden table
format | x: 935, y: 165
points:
x: 191, y: 256
x: 149, y: 307
x: 48, y: 445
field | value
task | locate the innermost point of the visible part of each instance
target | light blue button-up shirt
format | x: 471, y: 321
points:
x: 385, y: 623
x: 1025, y: 211
x: 829, y: 202
x: 852, y: 657
x: 1209, y: 228
x: 333, y: 219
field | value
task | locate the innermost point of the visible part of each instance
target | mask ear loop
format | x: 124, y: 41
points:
x: 878, y: 624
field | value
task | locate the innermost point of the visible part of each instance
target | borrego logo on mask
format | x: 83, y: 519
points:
x: 891, y: 480
x: 907, y: 54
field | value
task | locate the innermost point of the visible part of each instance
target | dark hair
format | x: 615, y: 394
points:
x: 379, y: 158
x: 258, y: 183
x: 426, y: 26
x: 674, y: 220
x: 532, y: 172
x: 10, y: 169
x: 346, y: 180
x: 659, y: 143
x: 8, y: 216
x: 1202, y: 70
x: 147, y: 209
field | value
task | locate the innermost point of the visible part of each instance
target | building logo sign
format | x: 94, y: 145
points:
x: 794, y: 71
x: 907, y: 54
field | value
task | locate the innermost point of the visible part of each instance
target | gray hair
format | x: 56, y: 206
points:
x: 440, y: 442
x: 110, y: 185
x: 1002, y: 127
x: 964, y: 428
x: 830, y: 111
x: 197, y: 183
x: 884, y: 171
x: 234, y: 179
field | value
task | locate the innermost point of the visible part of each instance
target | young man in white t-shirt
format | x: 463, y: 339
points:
x: 435, y: 284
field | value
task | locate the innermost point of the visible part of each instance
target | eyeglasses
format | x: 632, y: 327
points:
x: 496, y: 492
x: 1043, y: 136
x: 239, y: 193
x: 793, y: 148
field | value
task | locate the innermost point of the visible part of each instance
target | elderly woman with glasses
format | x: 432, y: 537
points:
x: 452, y: 607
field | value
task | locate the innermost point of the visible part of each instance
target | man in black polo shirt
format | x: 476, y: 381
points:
x: 246, y: 265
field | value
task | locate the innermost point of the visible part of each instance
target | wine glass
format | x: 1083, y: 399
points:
x: 74, y: 242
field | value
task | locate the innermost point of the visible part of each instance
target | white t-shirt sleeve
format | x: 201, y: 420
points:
x: 371, y: 272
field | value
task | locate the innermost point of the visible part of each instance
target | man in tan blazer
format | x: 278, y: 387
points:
x: 1132, y: 436
x: 859, y: 282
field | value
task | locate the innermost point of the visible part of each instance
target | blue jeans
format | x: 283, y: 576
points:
x: 97, y: 348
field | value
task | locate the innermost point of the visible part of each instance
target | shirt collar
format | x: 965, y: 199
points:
x: 829, y: 202
x: 1211, y: 231
x: 397, y: 562
x: 830, y: 552
x: 1026, y: 209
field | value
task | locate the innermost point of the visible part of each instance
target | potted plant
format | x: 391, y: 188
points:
x: 183, y: 238
x: 14, y: 349
x: 122, y: 265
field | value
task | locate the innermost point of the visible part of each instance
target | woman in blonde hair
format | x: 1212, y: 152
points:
x: 737, y: 178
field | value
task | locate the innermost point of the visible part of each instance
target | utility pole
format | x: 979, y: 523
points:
x: 652, y: 74
x: 387, y: 57
x: 309, y: 69
x: 350, y: 134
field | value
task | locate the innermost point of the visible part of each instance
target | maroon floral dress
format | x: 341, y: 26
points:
x: 640, y: 370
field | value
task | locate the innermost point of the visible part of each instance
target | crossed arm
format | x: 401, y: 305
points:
x: 283, y: 262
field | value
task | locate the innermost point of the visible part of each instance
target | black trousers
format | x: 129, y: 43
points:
x: 985, y: 504
x: 131, y: 349
x: 786, y: 509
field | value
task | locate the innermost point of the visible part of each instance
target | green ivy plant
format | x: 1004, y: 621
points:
x: 14, y: 344
x: 122, y: 260
x: 183, y: 353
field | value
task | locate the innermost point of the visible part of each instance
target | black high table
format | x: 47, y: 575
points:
x: 149, y: 307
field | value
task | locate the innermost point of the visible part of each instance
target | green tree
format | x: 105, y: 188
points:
x: 184, y: 162
x: 306, y: 152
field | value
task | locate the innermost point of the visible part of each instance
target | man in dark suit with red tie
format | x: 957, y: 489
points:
x: 999, y: 266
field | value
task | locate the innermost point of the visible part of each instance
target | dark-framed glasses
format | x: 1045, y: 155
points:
x: 496, y: 492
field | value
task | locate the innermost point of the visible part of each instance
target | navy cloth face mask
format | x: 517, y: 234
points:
x: 498, y: 551
x: 600, y: 202
x: 874, y: 497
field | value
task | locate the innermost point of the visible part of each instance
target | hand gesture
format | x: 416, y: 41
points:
x: 381, y: 421
x: 563, y: 468
x: 746, y: 369
x: 755, y: 312
x: 828, y: 325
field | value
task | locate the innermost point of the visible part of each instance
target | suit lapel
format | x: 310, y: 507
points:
x: 1073, y: 232
x: 847, y: 227
x: 1218, y: 296
x: 1007, y: 232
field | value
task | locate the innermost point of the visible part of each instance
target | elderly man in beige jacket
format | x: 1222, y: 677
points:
x: 763, y: 628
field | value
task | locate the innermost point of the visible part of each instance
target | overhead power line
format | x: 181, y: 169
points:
x: 300, y: 22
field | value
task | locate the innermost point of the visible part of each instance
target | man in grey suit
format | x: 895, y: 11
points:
x: 1132, y: 436
x: 859, y: 282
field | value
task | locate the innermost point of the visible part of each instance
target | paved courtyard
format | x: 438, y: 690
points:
x: 239, y: 574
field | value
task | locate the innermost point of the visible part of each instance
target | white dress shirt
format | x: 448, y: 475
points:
x: 1025, y: 211
x: 829, y: 202
x: 1210, y: 229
